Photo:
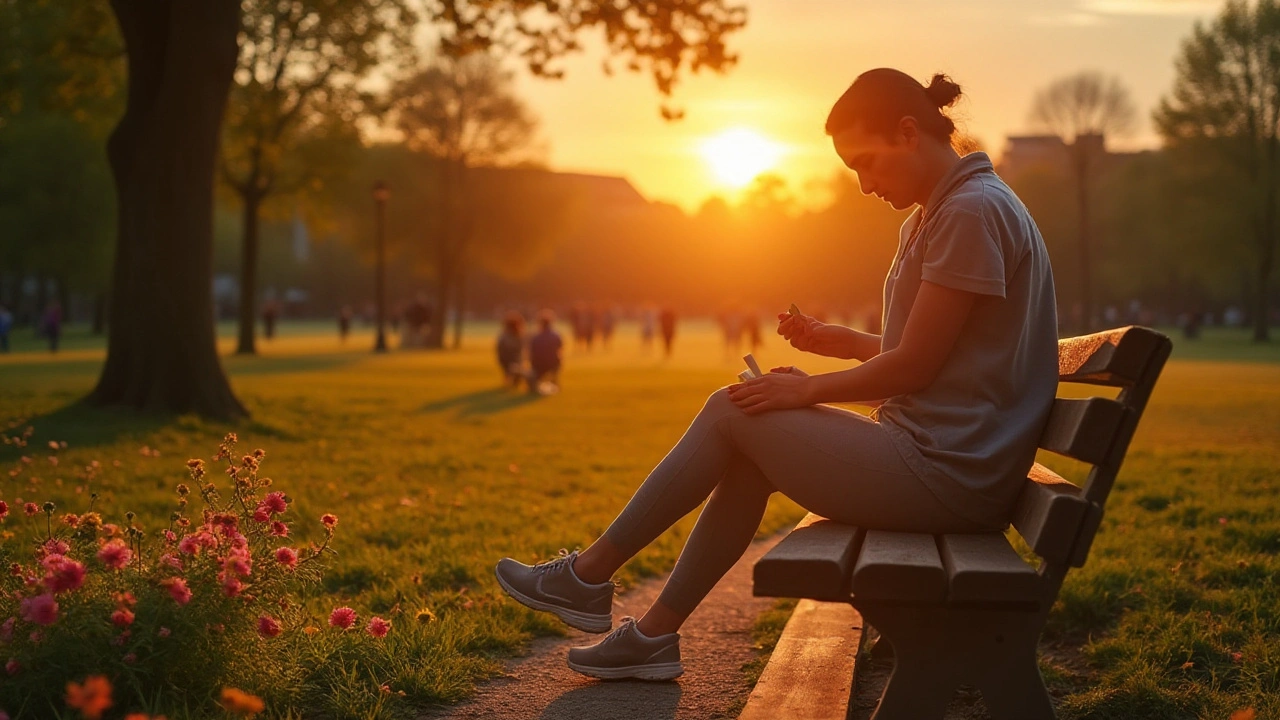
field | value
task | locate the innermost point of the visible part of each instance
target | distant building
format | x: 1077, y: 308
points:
x: 1023, y: 152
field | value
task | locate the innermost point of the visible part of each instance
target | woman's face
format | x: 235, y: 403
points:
x: 888, y: 167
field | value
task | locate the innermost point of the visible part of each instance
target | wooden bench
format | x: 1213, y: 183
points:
x: 965, y: 608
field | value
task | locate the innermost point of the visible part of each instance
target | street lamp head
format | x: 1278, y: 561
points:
x: 380, y: 191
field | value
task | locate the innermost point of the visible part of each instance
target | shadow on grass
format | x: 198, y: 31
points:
x: 83, y: 425
x: 260, y: 365
x: 482, y: 402
x: 632, y: 699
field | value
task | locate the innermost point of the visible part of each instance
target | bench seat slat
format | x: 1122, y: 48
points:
x: 814, y: 561
x: 1049, y: 513
x: 984, y: 567
x: 899, y: 566
x: 1082, y: 428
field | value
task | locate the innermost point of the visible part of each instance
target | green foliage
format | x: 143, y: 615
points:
x: 56, y: 203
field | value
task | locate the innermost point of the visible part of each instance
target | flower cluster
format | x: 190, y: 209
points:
x: 124, y: 594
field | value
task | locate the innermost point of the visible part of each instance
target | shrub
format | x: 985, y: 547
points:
x: 171, y: 614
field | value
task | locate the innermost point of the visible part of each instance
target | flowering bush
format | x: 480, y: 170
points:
x: 190, y: 607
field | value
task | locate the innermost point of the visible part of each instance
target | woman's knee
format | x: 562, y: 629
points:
x: 718, y: 403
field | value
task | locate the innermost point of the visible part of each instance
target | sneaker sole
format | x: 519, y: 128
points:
x: 586, y: 622
x: 656, y: 671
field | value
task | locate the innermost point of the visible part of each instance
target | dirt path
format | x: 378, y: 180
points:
x: 714, y: 645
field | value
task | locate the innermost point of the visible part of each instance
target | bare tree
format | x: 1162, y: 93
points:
x: 464, y: 112
x: 1083, y: 110
x: 1225, y: 110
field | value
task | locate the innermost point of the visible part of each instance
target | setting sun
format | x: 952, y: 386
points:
x: 738, y: 155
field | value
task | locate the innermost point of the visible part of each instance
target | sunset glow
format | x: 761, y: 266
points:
x: 736, y: 156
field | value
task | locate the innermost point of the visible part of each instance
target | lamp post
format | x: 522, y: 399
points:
x: 380, y: 194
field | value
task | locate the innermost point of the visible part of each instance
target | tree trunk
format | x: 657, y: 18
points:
x: 1086, y: 269
x: 249, y: 273
x: 161, y: 349
x: 460, y: 304
x: 440, y: 313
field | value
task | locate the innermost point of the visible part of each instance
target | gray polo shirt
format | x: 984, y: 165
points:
x: 971, y: 436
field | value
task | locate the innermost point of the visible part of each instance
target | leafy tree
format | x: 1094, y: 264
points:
x: 463, y: 112
x: 1223, y: 115
x: 1082, y: 110
x: 300, y: 62
x: 181, y: 59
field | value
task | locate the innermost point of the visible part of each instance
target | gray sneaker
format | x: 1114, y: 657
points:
x: 553, y: 587
x: 625, y: 653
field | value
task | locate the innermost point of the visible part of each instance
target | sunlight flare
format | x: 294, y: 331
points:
x: 737, y: 155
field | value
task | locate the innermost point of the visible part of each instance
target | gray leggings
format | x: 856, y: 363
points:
x: 830, y: 461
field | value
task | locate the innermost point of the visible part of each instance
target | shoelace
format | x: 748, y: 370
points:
x: 628, y: 624
x: 565, y: 557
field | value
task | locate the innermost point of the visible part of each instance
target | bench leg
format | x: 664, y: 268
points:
x: 936, y: 649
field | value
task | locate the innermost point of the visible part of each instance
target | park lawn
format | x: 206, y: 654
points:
x: 435, y: 473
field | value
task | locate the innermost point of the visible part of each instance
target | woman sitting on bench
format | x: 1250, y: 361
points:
x: 962, y: 380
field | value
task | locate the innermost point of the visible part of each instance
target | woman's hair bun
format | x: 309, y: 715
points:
x: 942, y: 92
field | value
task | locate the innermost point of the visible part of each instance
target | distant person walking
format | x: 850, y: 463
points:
x: 510, y: 349
x: 344, y: 323
x: 963, y: 379
x: 270, y: 312
x: 648, y: 324
x: 545, y: 356
x: 52, y: 324
x: 6, y: 324
x: 667, y: 322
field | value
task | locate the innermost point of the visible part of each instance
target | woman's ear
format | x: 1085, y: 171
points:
x: 909, y: 132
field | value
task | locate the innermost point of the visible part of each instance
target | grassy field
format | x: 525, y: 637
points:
x: 436, y: 472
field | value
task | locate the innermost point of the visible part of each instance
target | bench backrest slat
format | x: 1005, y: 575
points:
x: 1060, y: 523
x: 1082, y: 428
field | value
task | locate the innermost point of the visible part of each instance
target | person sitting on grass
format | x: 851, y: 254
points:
x: 544, y: 356
x: 510, y: 349
x: 962, y: 379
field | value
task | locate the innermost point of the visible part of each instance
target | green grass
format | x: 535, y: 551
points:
x: 436, y: 473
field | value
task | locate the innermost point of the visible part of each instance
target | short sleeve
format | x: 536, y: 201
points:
x: 961, y: 253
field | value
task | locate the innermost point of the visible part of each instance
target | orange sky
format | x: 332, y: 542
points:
x: 797, y: 56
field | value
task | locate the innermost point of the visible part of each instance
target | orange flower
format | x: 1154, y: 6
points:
x: 1245, y: 714
x: 92, y: 698
x: 241, y: 702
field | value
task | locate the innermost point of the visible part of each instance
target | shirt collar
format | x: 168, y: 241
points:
x: 971, y: 164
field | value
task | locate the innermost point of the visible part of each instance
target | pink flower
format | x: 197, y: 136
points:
x: 122, y: 617
x: 172, y: 561
x: 54, y: 546
x: 378, y: 627
x: 4, y: 509
x: 169, y: 536
x: 342, y: 618
x: 63, y: 575
x: 287, y: 557
x: 329, y: 520
x: 262, y: 514
x: 115, y: 554
x: 12, y: 667
x: 163, y: 632
x: 275, y: 502
x: 231, y: 586
x: 279, y: 529
x: 30, y: 509
x: 268, y: 627
x: 6, y: 630
x: 238, y: 562
x: 130, y: 658
x: 178, y: 590
x: 189, y: 545
x: 41, y: 609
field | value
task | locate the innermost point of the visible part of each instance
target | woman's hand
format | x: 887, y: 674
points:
x: 783, y: 388
x: 803, y: 332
